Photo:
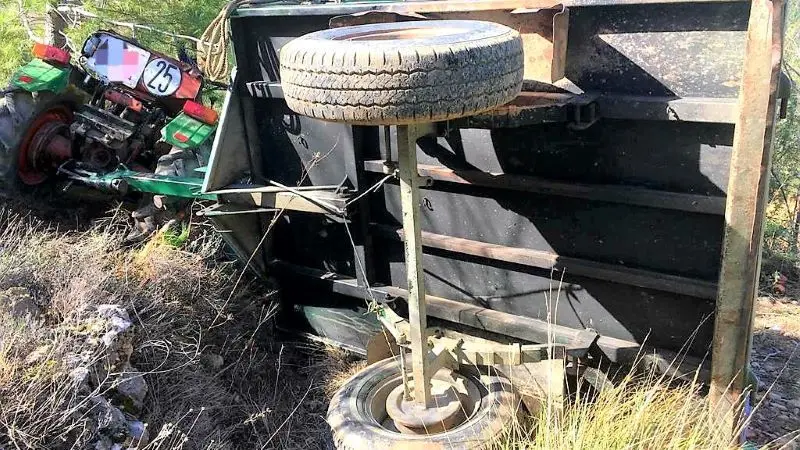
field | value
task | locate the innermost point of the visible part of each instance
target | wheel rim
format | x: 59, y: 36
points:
x: 42, y: 144
x: 376, y: 404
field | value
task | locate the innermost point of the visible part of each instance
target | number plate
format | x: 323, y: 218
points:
x: 161, y: 77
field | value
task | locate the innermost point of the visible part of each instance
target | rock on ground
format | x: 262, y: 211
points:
x: 17, y: 302
x: 131, y: 389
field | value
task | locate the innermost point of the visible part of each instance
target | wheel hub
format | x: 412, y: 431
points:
x: 44, y: 145
x: 452, y: 403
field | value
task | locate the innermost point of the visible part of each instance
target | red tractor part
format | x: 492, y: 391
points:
x: 123, y: 99
x: 45, y: 145
x: 50, y: 54
x: 202, y: 113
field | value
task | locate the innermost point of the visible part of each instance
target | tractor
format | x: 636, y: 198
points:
x: 119, y: 117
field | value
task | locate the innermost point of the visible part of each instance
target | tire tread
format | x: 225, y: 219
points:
x: 403, y: 84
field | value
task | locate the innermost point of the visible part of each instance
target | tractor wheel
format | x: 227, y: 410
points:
x: 359, y: 419
x: 402, y: 73
x: 33, y: 128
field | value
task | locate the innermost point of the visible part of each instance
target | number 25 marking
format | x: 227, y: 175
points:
x: 163, y: 76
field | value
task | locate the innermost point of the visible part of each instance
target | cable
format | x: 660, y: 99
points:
x: 373, y: 188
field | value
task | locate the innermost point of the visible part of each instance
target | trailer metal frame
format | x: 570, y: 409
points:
x: 631, y: 174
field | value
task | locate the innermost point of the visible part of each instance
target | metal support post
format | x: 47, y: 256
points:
x: 410, y: 182
x: 744, y: 213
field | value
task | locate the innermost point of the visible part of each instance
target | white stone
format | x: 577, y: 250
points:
x: 138, y: 431
x: 79, y: 374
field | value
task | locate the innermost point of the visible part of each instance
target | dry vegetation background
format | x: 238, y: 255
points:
x: 217, y: 376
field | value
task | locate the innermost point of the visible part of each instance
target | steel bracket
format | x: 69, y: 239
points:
x: 584, y: 112
x: 394, y: 324
x: 457, y: 349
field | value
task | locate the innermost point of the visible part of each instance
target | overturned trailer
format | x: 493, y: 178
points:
x: 613, y: 207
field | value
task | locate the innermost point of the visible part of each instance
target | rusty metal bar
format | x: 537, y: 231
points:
x: 747, y: 198
x: 410, y: 183
x: 520, y: 327
x: 321, y: 201
x: 573, y: 266
x: 526, y: 328
x: 444, y: 7
x: 607, y: 193
x: 678, y: 365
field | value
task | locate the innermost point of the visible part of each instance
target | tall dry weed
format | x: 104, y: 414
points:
x: 216, y: 378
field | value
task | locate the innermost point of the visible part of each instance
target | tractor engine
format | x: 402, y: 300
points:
x: 117, y: 128
x: 136, y: 93
x: 121, y: 118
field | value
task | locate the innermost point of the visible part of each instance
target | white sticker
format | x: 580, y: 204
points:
x: 116, y: 61
x: 161, y: 77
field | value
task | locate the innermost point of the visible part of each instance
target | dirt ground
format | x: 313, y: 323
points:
x: 776, y: 363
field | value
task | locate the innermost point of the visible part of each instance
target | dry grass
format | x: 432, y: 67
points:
x: 217, y: 378
x: 38, y: 403
x: 640, y: 412
x: 335, y: 367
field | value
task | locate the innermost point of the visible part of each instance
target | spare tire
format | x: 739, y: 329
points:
x: 402, y: 73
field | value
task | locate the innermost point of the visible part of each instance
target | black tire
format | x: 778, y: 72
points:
x: 355, y: 426
x: 402, y: 73
x: 18, y: 110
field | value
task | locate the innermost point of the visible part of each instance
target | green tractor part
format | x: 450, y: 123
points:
x: 37, y: 76
x: 186, y: 132
x: 92, y: 143
x: 171, y: 186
